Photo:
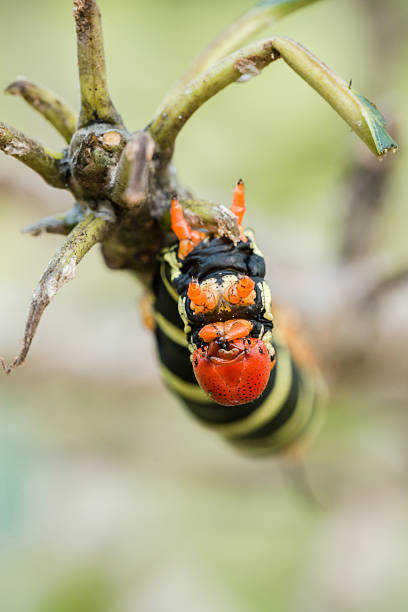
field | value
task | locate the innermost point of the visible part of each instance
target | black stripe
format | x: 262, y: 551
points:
x: 175, y: 357
x: 312, y: 416
x: 164, y: 303
x: 282, y: 416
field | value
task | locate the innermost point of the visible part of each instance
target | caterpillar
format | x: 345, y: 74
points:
x: 219, y: 351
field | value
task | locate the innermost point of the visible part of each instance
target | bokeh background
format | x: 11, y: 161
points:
x: 112, y: 499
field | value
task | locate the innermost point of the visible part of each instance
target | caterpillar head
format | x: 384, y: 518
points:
x: 232, y: 367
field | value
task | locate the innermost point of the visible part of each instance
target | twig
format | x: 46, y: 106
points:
x: 96, y: 104
x: 58, y: 224
x: 60, y: 270
x: 46, y: 164
x: 47, y: 104
x: 246, y: 62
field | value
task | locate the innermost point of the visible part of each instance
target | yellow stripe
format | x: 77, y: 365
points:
x: 287, y: 433
x: 307, y: 437
x: 270, y: 406
x: 170, y: 289
x: 172, y: 331
x: 299, y: 419
x: 188, y: 390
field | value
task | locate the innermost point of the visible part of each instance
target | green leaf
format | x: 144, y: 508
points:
x: 361, y: 114
x: 376, y: 124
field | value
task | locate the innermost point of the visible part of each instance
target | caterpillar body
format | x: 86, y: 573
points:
x: 219, y: 352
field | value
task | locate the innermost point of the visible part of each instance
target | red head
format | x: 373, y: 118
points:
x: 231, y: 367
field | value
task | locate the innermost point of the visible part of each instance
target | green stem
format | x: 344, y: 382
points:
x: 96, y: 104
x: 243, y: 64
x: 60, y: 270
x: 48, y: 105
x: 31, y: 153
x: 362, y: 116
x: 262, y: 15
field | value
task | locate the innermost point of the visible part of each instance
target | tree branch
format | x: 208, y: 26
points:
x: 96, y: 104
x: 57, y: 224
x: 48, y: 105
x: 246, y: 62
x: 262, y: 15
x: 35, y: 156
x: 60, y: 270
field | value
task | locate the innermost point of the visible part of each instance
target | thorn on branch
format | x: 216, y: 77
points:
x: 47, y: 104
x: 33, y: 155
x: 60, y: 270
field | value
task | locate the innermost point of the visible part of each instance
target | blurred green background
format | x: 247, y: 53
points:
x: 112, y: 499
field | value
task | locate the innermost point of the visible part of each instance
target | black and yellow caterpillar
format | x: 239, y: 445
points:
x: 206, y: 286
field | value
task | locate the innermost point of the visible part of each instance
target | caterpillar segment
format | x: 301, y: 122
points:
x: 218, y: 349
